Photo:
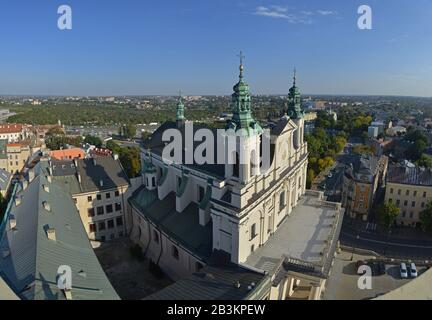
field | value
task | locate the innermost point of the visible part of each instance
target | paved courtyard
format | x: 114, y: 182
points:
x: 342, y: 283
x: 130, y: 277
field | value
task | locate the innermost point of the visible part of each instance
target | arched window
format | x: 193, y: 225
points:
x: 282, y: 200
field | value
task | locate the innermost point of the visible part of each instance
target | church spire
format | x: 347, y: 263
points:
x: 180, y: 118
x: 295, y: 110
x: 241, y: 103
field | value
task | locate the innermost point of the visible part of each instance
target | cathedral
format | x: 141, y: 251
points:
x: 236, y: 230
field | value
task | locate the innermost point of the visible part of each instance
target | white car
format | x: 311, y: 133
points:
x: 413, y: 270
x: 403, y: 271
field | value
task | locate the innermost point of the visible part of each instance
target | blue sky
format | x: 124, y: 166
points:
x: 133, y: 47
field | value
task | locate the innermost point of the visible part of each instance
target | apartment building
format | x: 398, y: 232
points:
x: 98, y: 187
x: 410, y: 188
x: 13, y: 132
x: 360, y: 184
x: 17, y: 156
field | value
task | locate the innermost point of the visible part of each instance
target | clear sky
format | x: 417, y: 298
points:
x: 139, y: 47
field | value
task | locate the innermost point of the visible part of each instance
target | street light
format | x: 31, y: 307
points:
x: 352, y: 254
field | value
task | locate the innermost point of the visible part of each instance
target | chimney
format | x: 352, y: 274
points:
x: 49, y: 179
x: 17, y: 201
x: 94, y: 161
x: 51, y: 234
x: 12, y: 222
x: 50, y: 171
x: 24, y: 184
x: 46, y: 206
x: 31, y: 175
x: 116, y: 156
x: 46, y: 188
x: 101, y: 183
x: 79, y: 177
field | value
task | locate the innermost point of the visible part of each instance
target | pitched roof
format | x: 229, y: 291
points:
x: 65, y: 154
x: 409, y: 175
x: 184, y: 228
x: 30, y: 260
x: 216, y: 281
x: 96, y: 174
x: 11, y: 128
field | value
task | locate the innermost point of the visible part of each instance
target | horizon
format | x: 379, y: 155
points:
x: 116, y: 49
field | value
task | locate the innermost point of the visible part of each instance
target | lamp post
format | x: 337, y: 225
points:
x: 353, y: 248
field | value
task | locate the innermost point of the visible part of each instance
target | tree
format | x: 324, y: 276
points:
x: 130, y: 159
x: 426, y: 218
x: 114, y: 147
x: 387, y: 213
x: 129, y: 131
x: 145, y: 135
x: 96, y: 141
x: 56, y: 131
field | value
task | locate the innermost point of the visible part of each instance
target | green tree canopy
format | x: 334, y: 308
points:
x: 387, y: 213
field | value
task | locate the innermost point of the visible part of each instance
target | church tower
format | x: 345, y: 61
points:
x: 295, y: 112
x: 180, y: 118
x: 243, y: 156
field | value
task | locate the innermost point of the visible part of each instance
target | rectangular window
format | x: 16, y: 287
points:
x: 75, y: 200
x: 405, y: 203
x: 101, y: 226
x: 404, y: 214
x: 119, y: 221
x: 391, y: 191
x: 92, y: 227
x: 411, y: 214
x: 390, y: 200
x: 109, y: 208
x: 415, y: 193
x: 413, y: 204
x: 108, y: 195
x: 100, y: 211
x: 399, y: 192
x: 397, y: 202
x: 422, y: 204
x: 89, y: 199
x: 117, y: 206
x: 110, y: 224
x: 424, y: 194
x: 407, y: 193
x: 91, y: 212
x: 99, y: 197
x: 117, y: 193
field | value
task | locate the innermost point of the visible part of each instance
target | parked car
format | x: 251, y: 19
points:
x: 413, y: 270
x: 403, y: 271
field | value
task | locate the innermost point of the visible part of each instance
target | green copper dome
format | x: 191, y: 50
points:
x: 295, y: 110
x: 241, y: 107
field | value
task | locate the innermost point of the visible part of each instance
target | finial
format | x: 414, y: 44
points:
x: 241, y: 56
x: 295, y: 75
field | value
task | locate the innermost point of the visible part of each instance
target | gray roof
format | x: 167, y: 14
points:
x: 5, y: 178
x: 29, y: 261
x: 3, y: 154
x: 409, y: 175
x: 183, y: 227
x: 214, y: 282
x: 97, y: 174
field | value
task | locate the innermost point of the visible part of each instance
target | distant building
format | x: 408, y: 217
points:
x: 410, y: 188
x: 12, y: 132
x: 360, y: 183
x: 42, y: 231
x: 310, y: 116
x: 373, y: 131
x: 396, y: 131
x: 68, y: 154
x: 98, y: 187
x: 18, y: 154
